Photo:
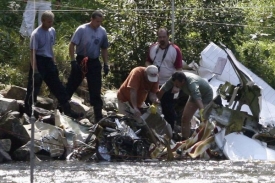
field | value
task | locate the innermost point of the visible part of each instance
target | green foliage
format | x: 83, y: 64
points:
x: 209, y: 21
x: 259, y: 57
x: 10, y: 75
x: 196, y: 24
x: 132, y: 24
x: 11, y: 55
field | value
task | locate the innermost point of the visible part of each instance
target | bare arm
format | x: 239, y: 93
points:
x: 200, y: 104
x: 104, y: 54
x: 153, y: 97
x: 72, y: 50
x: 54, y: 59
x: 160, y: 94
x: 133, y: 98
x: 33, y: 60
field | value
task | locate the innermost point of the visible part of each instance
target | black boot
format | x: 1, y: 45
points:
x: 66, y: 108
x: 27, y: 110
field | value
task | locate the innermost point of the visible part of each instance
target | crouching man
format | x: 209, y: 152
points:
x: 199, y: 91
x: 140, y: 82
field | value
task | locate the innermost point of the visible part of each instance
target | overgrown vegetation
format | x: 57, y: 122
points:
x: 246, y: 27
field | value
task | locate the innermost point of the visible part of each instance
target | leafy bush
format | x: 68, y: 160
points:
x: 131, y: 26
x: 10, y: 75
x: 259, y: 57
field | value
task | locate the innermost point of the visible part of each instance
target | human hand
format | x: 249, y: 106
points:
x: 106, y: 69
x: 156, y: 102
x: 153, y: 98
x: 37, y: 78
x: 201, y: 114
x: 56, y: 70
x: 74, y: 65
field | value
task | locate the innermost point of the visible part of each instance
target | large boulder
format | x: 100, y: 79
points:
x: 48, y: 138
x: 12, y: 128
x: 8, y: 105
x: 5, y: 145
x: 110, y: 100
x: 45, y: 103
x: 16, y: 92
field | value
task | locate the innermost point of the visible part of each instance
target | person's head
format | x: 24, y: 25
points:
x: 178, y: 79
x: 152, y: 73
x: 163, y: 37
x: 47, y: 19
x: 97, y: 18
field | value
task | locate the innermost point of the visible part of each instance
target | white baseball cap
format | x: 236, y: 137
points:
x: 152, y: 73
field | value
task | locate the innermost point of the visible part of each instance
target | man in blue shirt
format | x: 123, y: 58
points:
x: 43, y: 68
x: 88, y: 41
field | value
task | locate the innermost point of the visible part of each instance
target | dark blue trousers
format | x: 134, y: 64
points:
x: 48, y: 73
x: 92, y: 72
x: 168, y: 107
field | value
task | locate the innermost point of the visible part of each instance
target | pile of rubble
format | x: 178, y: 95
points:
x: 238, y: 126
x: 57, y: 136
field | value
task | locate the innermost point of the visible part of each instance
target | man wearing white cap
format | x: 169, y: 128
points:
x: 140, y: 82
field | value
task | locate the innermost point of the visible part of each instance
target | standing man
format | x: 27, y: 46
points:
x: 87, y: 42
x: 168, y: 58
x: 140, y: 82
x: 200, y: 94
x: 43, y: 68
x: 32, y: 7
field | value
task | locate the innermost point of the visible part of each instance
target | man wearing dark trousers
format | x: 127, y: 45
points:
x: 200, y: 95
x: 43, y: 68
x: 88, y: 41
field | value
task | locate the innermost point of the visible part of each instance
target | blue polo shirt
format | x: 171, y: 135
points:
x: 89, y: 41
x: 42, y: 41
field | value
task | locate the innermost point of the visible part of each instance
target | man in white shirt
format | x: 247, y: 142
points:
x: 168, y: 58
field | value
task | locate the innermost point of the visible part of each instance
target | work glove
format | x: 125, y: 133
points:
x: 106, y: 69
x: 201, y: 114
x: 74, y: 65
x: 37, y: 79
x: 153, y: 109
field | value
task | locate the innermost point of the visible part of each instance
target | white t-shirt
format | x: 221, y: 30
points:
x: 168, y: 60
